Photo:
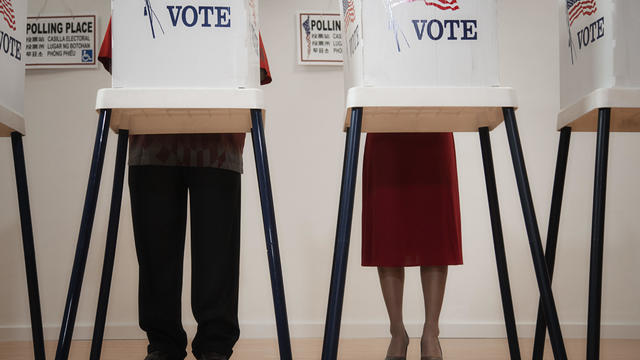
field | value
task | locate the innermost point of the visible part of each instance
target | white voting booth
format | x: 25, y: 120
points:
x: 12, y: 48
x: 178, y: 68
x: 599, y: 63
x: 13, y: 24
x: 599, y: 92
x: 429, y: 66
x: 191, y: 67
x: 406, y: 61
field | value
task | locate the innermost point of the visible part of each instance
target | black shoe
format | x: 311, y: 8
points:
x: 212, y: 356
x: 159, y: 355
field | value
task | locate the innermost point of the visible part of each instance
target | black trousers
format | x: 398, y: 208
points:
x: 159, y: 210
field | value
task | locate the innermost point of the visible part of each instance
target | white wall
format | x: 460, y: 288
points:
x: 306, y: 148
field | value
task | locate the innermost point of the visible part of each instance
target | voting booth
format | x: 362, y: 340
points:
x: 13, y: 24
x: 430, y: 66
x: 187, y: 67
x: 599, y: 66
x: 599, y: 92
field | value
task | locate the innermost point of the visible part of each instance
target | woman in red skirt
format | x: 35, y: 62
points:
x: 411, y: 217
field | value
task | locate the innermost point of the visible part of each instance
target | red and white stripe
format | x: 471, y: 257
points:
x: 7, y: 13
x: 444, y: 4
x: 584, y: 7
x: 440, y: 4
x: 350, y: 14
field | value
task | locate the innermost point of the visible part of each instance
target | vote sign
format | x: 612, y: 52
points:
x: 186, y: 43
x: 599, y: 46
x: 13, y: 14
x: 420, y: 42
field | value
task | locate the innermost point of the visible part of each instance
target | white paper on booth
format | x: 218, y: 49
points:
x: 190, y: 43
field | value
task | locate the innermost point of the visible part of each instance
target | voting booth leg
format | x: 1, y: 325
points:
x: 343, y: 235
x: 597, y: 235
x: 526, y: 200
x: 269, y: 222
x: 552, y: 233
x: 28, y: 246
x: 84, y: 237
x: 498, y: 244
x: 110, y: 250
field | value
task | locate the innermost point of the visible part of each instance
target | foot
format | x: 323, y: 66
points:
x: 212, y: 356
x: 398, y: 346
x: 429, y: 344
x: 159, y: 355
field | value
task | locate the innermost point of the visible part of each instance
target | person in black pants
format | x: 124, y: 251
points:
x: 163, y: 171
x: 159, y: 210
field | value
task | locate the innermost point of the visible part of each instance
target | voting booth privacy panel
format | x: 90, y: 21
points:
x: 420, y: 43
x: 599, y: 50
x: 194, y: 44
x: 424, y: 45
x: 13, y: 16
x: 209, y: 50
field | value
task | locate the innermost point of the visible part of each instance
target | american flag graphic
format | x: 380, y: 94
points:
x: 8, y: 14
x: 444, y: 4
x: 349, y: 12
x: 577, y: 8
x: 440, y: 4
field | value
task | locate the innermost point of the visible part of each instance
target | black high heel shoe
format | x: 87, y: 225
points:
x: 405, y: 351
x: 431, y: 357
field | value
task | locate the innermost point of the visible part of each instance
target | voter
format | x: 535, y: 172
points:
x: 411, y: 217
x: 163, y: 171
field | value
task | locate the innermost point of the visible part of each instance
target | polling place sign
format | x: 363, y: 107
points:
x: 319, y: 38
x: 599, y: 47
x: 420, y: 43
x: 12, y: 33
x: 186, y: 43
x: 61, y: 42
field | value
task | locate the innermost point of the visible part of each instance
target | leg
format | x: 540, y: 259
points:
x: 215, y: 258
x: 84, y: 237
x: 552, y: 233
x: 498, y: 244
x: 343, y: 235
x: 110, y: 251
x: 434, y: 280
x: 159, y: 212
x: 542, y: 275
x: 28, y: 246
x: 597, y: 235
x: 269, y: 222
x: 392, y: 284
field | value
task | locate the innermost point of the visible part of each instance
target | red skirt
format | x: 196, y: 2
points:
x: 411, y: 207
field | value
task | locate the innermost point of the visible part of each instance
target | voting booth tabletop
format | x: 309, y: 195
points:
x: 13, y: 126
x: 168, y: 111
x: 437, y: 110
x: 602, y: 111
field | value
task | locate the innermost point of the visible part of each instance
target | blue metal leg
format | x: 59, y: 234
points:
x: 526, y: 200
x: 28, y: 246
x: 269, y: 221
x: 110, y: 251
x: 84, y: 237
x: 597, y: 235
x: 343, y: 235
x: 552, y: 233
x: 498, y: 244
